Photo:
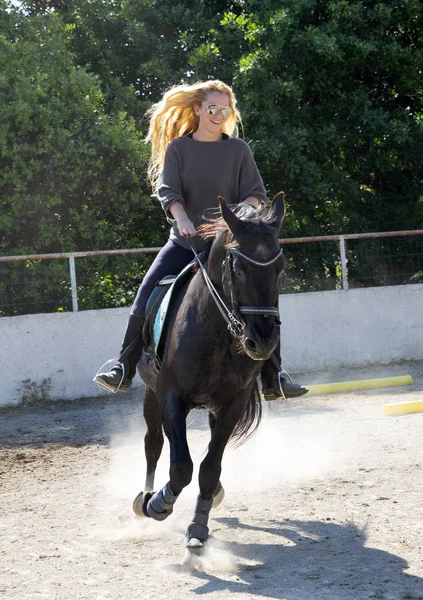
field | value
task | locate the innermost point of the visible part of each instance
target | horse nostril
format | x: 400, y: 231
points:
x: 250, y: 344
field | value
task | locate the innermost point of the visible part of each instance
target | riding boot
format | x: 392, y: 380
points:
x: 120, y: 377
x: 276, y: 382
x: 281, y: 387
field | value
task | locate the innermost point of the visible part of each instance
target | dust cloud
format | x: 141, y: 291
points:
x: 286, y: 450
x: 283, y: 450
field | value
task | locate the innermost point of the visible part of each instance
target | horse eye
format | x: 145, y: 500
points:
x: 239, y: 274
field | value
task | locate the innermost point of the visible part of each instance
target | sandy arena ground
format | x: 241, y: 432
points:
x: 324, y: 503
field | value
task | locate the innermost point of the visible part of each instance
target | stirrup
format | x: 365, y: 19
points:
x: 114, y: 362
x: 280, y: 382
x: 283, y: 374
x: 283, y: 380
x: 282, y: 371
x: 259, y: 381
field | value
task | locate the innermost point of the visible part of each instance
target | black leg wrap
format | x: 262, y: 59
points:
x: 161, y: 504
x: 198, y: 527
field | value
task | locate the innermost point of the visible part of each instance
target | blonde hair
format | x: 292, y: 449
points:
x: 174, y: 117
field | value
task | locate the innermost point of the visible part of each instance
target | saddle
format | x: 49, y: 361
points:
x: 157, y: 310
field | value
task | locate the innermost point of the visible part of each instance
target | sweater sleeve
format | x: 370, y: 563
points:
x: 170, y: 185
x: 250, y: 181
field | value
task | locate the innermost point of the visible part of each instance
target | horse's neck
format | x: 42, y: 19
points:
x: 201, y: 298
x: 209, y: 322
x: 214, y: 265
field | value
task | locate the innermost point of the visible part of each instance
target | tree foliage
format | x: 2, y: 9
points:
x: 73, y: 174
x: 330, y: 92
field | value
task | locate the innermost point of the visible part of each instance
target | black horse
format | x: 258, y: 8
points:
x: 221, y: 328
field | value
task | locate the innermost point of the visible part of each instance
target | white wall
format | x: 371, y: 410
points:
x: 319, y: 330
x: 352, y: 327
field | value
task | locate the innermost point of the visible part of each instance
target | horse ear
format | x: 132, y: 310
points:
x: 277, y: 211
x: 235, y: 225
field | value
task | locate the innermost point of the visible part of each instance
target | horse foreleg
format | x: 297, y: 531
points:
x: 160, y: 505
x: 210, y: 470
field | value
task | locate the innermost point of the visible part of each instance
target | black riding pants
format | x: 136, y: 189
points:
x: 171, y: 259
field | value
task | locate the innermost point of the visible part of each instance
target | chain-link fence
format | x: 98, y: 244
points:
x: 109, y: 279
x: 353, y: 261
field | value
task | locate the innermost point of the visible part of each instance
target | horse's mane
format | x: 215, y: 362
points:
x: 215, y: 224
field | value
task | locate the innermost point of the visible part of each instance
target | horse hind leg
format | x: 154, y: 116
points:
x: 153, y: 440
x: 153, y: 445
x: 219, y: 492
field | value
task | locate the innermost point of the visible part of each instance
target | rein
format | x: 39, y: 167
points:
x: 233, y: 318
x: 235, y: 326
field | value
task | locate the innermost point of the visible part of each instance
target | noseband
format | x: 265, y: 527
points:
x: 233, y: 317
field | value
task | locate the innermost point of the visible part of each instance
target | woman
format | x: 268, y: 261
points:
x: 194, y: 159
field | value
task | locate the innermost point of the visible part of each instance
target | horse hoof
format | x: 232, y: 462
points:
x: 195, y: 546
x: 218, y: 497
x: 139, y: 505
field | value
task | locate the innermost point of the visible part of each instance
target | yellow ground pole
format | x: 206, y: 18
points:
x: 363, y: 384
x: 403, y: 408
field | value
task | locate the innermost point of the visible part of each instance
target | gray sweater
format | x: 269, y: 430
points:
x: 196, y: 173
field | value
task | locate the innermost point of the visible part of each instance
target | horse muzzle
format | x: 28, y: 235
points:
x: 258, y: 348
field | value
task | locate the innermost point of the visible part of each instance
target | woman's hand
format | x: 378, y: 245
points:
x: 186, y: 227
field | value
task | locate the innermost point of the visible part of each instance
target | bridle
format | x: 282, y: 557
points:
x: 233, y: 316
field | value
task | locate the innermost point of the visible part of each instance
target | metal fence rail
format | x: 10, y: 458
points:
x: 354, y: 260
x: 110, y: 278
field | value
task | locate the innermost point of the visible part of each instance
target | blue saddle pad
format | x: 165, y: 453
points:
x: 162, y: 311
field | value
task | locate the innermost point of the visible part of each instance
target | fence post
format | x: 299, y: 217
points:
x: 344, y: 270
x: 74, y: 289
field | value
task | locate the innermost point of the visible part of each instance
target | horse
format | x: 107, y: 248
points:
x: 221, y: 327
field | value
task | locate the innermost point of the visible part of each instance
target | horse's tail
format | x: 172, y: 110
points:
x: 250, y: 418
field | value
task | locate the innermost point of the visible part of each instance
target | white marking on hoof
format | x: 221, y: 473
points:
x: 193, y: 543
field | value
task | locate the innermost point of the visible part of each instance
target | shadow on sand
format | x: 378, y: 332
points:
x: 309, y: 560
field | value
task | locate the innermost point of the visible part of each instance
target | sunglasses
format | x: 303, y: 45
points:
x: 213, y: 109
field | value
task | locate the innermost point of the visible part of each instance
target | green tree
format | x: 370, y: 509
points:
x: 330, y: 90
x: 331, y: 93
x: 73, y: 175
